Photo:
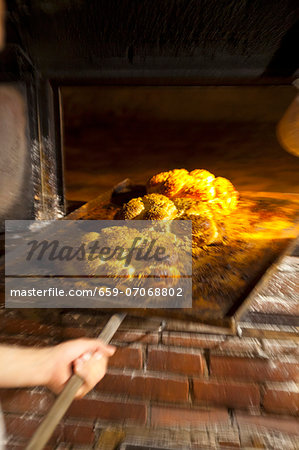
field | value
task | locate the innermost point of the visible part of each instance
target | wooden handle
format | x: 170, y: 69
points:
x: 64, y: 400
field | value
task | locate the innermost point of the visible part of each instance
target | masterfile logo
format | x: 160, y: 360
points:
x: 60, y: 262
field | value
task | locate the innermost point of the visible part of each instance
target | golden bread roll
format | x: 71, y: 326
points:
x: 198, y: 184
x: 179, y: 194
x: 159, y: 207
x: 149, y: 207
x: 226, y: 196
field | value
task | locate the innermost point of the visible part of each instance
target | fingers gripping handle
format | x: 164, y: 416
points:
x: 64, y: 400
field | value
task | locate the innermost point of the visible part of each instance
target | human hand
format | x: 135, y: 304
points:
x: 86, y: 357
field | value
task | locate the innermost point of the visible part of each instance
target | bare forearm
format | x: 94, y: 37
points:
x: 53, y: 366
x: 21, y: 366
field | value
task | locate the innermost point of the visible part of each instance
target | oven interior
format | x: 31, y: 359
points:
x: 116, y: 133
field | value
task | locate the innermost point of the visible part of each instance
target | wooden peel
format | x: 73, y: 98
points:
x: 63, y: 401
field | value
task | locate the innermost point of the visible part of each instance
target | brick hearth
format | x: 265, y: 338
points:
x: 229, y: 389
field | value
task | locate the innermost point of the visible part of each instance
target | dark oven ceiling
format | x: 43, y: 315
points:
x: 200, y: 41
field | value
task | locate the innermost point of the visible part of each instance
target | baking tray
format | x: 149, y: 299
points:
x: 257, y: 234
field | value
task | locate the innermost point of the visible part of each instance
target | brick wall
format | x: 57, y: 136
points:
x: 163, y: 379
